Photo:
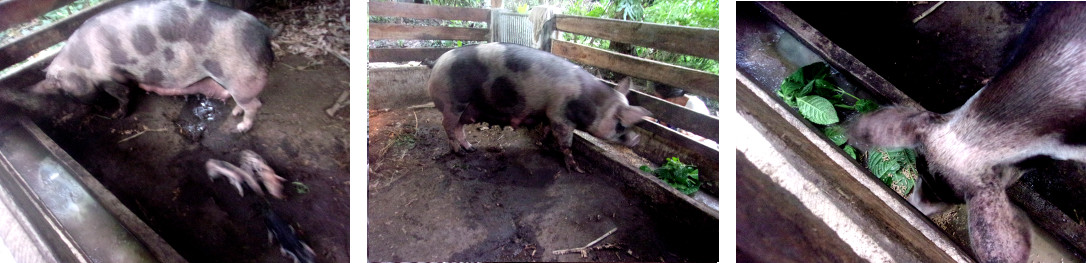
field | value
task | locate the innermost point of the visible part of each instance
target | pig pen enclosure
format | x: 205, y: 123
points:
x: 150, y: 163
x: 513, y: 200
x: 929, y: 55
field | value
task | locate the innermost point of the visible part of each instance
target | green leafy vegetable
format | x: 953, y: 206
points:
x: 865, y: 106
x: 817, y: 98
x: 895, y: 167
x: 681, y: 176
x: 300, y: 188
x: 850, y: 151
x: 836, y: 134
x: 817, y: 109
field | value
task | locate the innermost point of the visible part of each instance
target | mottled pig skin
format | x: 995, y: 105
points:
x: 177, y: 47
x: 510, y: 84
x: 1035, y: 106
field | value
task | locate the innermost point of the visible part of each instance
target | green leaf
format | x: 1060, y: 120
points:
x: 824, y: 85
x: 817, y: 109
x: 851, y: 151
x: 865, y: 106
x: 836, y: 134
x: 681, y: 176
x: 806, y: 89
x: 792, y: 84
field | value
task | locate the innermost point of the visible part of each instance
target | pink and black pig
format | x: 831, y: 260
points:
x: 176, y: 47
x: 1035, y: 106
x: 510, y: 84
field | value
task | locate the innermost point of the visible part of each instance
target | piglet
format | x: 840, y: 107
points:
x: 234, y: 174
x: 174, y: 47
x: 252, y: 162
x: 509, y: 84
x: 1035, y: 106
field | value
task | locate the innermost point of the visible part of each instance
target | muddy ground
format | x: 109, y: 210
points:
x: 160, y: 176
x: 512, y: 200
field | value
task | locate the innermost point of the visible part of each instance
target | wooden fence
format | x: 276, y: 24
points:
x: 699, y: 42
x: 20, y: 11
x: 408, y: 32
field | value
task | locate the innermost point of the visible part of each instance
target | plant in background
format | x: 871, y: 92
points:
x: 812, y: 92
x: 681, y: 176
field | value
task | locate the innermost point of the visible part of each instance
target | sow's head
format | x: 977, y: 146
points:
x: 617, y: 119
x: 892, y: 127
x: 67, y: 83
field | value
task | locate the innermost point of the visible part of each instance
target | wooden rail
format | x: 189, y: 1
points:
x: 405, y: 54
x: 411, y: 32
x: 694, y: 81
x: 422, y: 11
x: 389, y: 31
x: 20, y: 11
x: 28, y: 45
x: 699, y: 42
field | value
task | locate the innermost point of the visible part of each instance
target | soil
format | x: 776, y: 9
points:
x: 159, y: 174
x: 511, y: 200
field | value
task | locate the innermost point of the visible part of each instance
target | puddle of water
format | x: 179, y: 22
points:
x: 198, y: 115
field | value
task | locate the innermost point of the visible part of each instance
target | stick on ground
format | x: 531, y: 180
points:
x: 584, y: 250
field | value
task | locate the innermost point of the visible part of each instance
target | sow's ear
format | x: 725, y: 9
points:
x: 892, y: 127
x: 623, y: 86
x: 630, y: 115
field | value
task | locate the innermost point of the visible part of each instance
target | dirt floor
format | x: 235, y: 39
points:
x: 512, y: 200
x: 160, y: 176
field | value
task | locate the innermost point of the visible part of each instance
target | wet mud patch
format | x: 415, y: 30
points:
x: 510, y: 200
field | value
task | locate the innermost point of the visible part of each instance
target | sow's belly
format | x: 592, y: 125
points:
x: 475, y: 113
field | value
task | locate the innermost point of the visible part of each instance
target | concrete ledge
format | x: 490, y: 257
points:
x: 397, y: 86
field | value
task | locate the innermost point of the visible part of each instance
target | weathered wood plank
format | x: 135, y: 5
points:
x: 773, y: 226
x: 29, y: 74
x: 834, y: 54
x: 20, y: 11
x: 699, y: 42
x: 679, y: 116
x: 28, y: 45
x: 422, y: 11
x: 405, y: 54
x: 906, y: 234
x: 694, y: 81
x: 388, y: 31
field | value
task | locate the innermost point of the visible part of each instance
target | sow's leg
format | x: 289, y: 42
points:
x: 245, y: 93
x: 563, y: 135
x: 996, y: 230
x: 453, y: 117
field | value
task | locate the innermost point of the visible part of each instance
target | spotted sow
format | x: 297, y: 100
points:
x: 176, y: 47
x: 515, y: 85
